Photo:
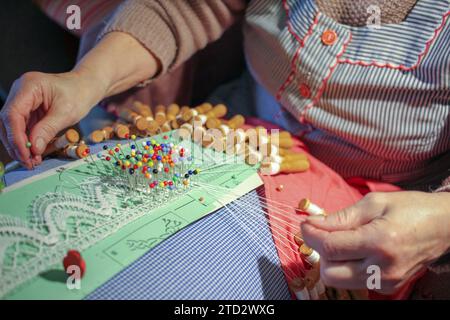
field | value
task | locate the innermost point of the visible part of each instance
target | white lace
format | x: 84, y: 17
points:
x: 62, y: 221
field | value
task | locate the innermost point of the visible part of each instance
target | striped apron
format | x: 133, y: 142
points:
x: 368, y: 102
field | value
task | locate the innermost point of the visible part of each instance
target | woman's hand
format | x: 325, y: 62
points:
x: 401, y: 232
x: 41, y: 105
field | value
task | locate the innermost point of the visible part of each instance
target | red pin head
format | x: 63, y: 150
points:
x: 74, y: 258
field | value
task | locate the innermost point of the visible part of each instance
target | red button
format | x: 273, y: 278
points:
x: 305, y: 91
x: 329, y: 37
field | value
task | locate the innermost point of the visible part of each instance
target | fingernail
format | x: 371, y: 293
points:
x: 40, y: 145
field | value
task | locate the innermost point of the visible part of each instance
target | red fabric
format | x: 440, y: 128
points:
x: 322, y: 186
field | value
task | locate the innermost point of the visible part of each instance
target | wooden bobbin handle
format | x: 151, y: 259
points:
x: 295, y: 166
x: 75, y: 151
x: 187, y: 115
x: 282, y: 142
x: 132, y: 117
x: 204, y: 108
x: 294, y: 157
x: 69, y: 137
x: 213, y: 123
x: 218, y: 111
x: 160, y: 114
x: 236, y: 122
x: 172, y: 111
x: 142, y: 109
x: 98, y: 136
x: 121, y: 130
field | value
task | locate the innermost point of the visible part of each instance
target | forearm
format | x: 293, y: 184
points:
x: 117, y: 63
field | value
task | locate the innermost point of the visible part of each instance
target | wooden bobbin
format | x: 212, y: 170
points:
x: 218, y: 111
x: 101, y: 135
x: 139, y: 133
x: 274, y: 168
x: 153, y: 126
x: 172, y: 111
x: 294, y: 157
x: 311, y: 286
x: 201, y: 119
x: 178, y: 121
x: 312, y: 277
x: 134, y: 118
x: 166, y: 127
x: 310, y: 255
x: 160, y: 114
x: 307, y: 206
x: 213, y: 123
x: 298, y: 239
x: 145, y: 111
x: 298, y: 286
x: 142, y: 109
x: 204, y: 108
x: 189, y: 114
x: 75, y: 151
x: 236, y: 122
x: 285, y: 135
x: 282, y: 143
x: 286, y: 152
x: 69, y: 137
x: 174, y: 124
x: 121, y: 130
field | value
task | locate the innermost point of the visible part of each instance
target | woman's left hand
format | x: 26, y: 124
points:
x: 400, y: 232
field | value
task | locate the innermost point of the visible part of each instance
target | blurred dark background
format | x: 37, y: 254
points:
x: 30, y: 41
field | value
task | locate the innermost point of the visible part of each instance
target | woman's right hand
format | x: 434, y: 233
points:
x: 40, y: 105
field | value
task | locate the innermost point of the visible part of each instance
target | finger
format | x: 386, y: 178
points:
x: 10, y: 141
x: 24, y: 97
x: 346, y: 219
x: 338, y: 245
x: 5, y: 142
x: 17, y: 138
x: 45, y: 130
x: 344, y: 275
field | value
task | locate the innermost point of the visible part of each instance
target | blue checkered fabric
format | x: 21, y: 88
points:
x: 222, y: 256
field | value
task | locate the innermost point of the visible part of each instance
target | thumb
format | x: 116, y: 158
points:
x: 45, y: 130
x: 346, y: 219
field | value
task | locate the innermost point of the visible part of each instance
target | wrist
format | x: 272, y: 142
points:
x: 96, y: 85
x: 117, y: 63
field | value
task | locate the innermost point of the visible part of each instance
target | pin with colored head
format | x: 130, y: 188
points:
x: 29, y: 145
